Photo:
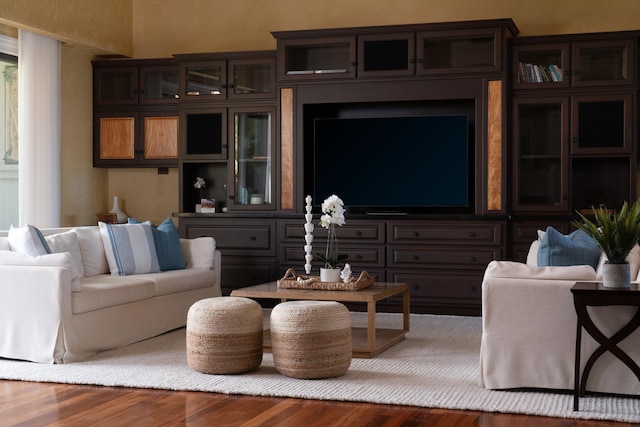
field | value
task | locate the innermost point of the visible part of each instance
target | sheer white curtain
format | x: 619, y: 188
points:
x: 39, y: 129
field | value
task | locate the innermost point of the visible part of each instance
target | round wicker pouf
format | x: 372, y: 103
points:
x: 224, y: 335
x: 311, y: 339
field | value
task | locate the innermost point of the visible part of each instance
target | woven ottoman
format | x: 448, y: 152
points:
x: 311, y: 339
x: 224, y: 335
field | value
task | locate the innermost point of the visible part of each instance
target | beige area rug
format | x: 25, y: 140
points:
x: 436, y: 366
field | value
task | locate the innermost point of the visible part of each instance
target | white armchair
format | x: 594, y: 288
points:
x: 529, y: 328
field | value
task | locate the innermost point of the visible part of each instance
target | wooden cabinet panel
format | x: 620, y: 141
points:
x: 161, y: 137
x: 117, y: 137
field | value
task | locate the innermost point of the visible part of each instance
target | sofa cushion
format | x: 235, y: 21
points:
x: 67, y: 242
x: 94, y: 259
x: 167, y: 242
x: 4, y: 244
x: 104, y: 290
x: 171, y: 282
x: 62, y: 259
x: 577, y: 248
x: 129, y: 248
x: 28, y: 240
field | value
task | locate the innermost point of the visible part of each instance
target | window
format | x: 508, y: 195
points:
x: 8, y: 132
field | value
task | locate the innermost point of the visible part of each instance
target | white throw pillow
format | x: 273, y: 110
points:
x: 199, y: 252
x: 4, y: 244
x: 28, y: 240
x: 62, y: 259
x: 94, y: 259
x: 67, y: 242
x: 129, y: 248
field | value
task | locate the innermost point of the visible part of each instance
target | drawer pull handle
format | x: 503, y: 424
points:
x: 416, y: 258
x: 415, y: 234
x: 252, y: 238
x: 358, y: 256
x: 472, y: 234
x: 472, y: 288
x: 358, y: 233
x: 472, y: 258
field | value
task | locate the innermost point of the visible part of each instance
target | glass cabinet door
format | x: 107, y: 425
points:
x: 203, y: 80
x: 605, y: 62
x: 253, y: 142
x: 540, y: 132
x: 252, y: 78
x: 159, y: 85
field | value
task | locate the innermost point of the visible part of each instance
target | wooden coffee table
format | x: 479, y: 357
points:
x: 367, y: 342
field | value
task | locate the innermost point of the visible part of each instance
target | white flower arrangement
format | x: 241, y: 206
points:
x: 332, y: 215
x: 332, y: 212
x: 199, y: 183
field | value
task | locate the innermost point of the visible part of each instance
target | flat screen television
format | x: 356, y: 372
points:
x: 377, y: 165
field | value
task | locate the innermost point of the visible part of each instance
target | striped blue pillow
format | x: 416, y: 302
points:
x: 129, y: 248
x: 167, y: 242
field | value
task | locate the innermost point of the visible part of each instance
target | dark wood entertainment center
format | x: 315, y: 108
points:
x: 552, y: 125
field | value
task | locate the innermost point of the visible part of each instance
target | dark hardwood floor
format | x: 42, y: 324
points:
x: 43, y: 404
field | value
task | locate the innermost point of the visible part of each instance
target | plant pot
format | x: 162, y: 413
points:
x: 616, y: 275
x: 330, y: 275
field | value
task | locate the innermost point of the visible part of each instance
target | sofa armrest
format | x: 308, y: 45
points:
x: 34, y: 302
x: 518, y: 270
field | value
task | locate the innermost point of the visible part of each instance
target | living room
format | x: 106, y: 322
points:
x: 144, y: 29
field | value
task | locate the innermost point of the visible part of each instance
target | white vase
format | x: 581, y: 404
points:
x: 616, y: 275
x: 330, y: 275
x: 122, y: 217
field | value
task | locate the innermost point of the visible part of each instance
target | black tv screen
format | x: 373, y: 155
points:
x: 404, y: 164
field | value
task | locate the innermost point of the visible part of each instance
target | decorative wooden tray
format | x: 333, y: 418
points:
x: 292, y: 281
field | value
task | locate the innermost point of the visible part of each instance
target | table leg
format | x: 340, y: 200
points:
x: 607, y: 344
x: 576, y: 377
x: 371, y: 326
x: 405, y: 310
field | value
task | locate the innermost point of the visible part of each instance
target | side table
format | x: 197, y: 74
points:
x: 587, y: 294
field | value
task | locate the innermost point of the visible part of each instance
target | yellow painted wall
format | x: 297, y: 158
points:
x: 159, y: 28
x: 163, y: 27
x: 95, y: 25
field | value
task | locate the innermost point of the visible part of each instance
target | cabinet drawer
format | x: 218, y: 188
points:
x: 236, y: 239
x: 462, y: 257
x: 443, y: 284
x: 446, y: 233
x: 358, y: 256
x: 353, y: 232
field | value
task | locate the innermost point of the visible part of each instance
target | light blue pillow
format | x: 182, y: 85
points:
x: 577, y: 248
x: 167, y: 242
x: 28, y: 240
x: 129, y: 248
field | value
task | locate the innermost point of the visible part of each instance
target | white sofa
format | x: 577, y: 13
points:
x: 44, y: 318
x: 529, y: 328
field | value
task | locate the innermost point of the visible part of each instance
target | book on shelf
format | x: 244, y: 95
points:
x: 539, y: 73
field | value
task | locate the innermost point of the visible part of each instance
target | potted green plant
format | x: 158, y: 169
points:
x: 617, y: 234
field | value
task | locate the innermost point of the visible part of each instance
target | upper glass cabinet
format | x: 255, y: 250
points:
x: 459, y: 51
x: 212, y: 79
x: 117, y: 84
x: 329, y: 57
